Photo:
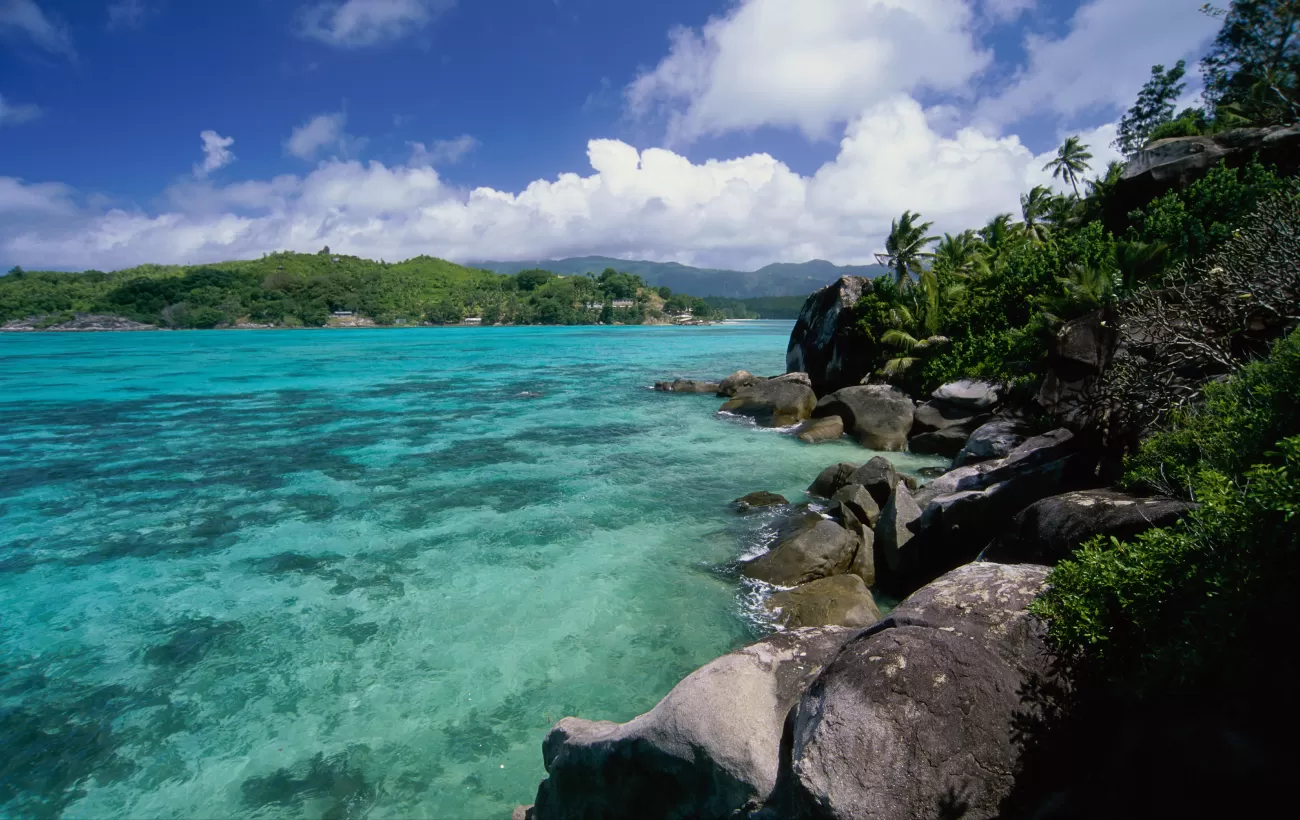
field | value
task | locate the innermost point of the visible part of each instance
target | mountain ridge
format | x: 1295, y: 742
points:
x: 777, y: 279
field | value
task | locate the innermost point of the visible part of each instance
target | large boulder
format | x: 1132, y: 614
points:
x: 879, y: 476
x: 709, y: 749
x: 1077, y: 358
x: 962, y: 510
x: 860, y: 502
x: 894, y: 531
x: 773, y: 404
x: 821, y: 343
x: 995, y: 439
x: 936, y: 415
x: 814, y: 431
x: 819, y: 551
x: 832, y: 478
x: 736, y: 382
x: 947, y: 442
x: 879, y: 416
x: 1051, y: 529
x: 921, y: 715
x: 797, y: 378
x: 974, y: 396
x: 842, y: 600
x: 687, y: 386
x: 1173, y: 164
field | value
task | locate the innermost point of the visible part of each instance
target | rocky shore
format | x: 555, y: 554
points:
x: 81, y: 322
x: 927, y: 710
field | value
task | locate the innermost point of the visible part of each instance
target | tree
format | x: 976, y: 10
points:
x: 958, y: 255
x: 1034, y: 208
x: 1070, y: 163
x: 1251, y: 71
x: 906, y: 247
x: 1154, y: 107
x: 17, y: 272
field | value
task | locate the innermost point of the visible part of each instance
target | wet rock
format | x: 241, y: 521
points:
x: 918, y: 717
x: 736, y: 382
x: 818, y: 552
x: 831, y: 479
x: 878, y: 416
x: 879, y: 477
x: 894, y: 531
x: 935, y: 415
x: 760, y: 499
x: 947, y: 442
x: 773, y: 404
x: 687, y: 386
x: 1052, y: 529
x: 813, y: 431
x: 710, y: 748
x: 843, y: 600
x: 860, y: 502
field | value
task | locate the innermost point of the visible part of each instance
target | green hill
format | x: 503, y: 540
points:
x: 295, y: 289
x: 782, y: 279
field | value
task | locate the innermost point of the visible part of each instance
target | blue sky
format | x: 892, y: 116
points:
x: 733, y: 133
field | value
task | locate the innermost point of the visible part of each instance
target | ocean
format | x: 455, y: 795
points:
x: 360, y: 573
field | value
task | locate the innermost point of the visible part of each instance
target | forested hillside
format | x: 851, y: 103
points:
x: 295, y: 290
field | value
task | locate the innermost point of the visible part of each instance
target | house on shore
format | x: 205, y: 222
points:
x: 623, y: 303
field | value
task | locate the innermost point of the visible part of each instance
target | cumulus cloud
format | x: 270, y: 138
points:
x: 1104, y: 58
x: 324, y: 131
x: 25, y: 18
x: 651, y: 203
x: 1004, y: 11
x: 13, y: 114
x: 216, y: 153
x: 442, y: 152
x: 357, y: 23
x: 810, y: 65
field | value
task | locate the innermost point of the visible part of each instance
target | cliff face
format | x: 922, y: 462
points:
x: 822, y: 345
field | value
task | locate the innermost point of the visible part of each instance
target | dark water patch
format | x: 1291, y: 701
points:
x: 52, y: 751
x: 376, y: 587
x: 360, y: 633
x: 191, y: 640
x: 473, y: 738
x: 412, y: 387
x: 291, y: 562
x: 578, y: 435
x: 470, y: 453
x: 19, y: 555
x: 338, y: 780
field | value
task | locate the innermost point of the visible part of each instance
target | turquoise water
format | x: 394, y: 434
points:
x: 358, y: 573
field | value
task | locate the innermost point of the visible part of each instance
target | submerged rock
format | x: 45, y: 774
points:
x: 687, y: 386
x: 820, y: 551
x: 1052, y: 529
x: 773, y: 404
x: 842, y: 600
x: 813, y: 431
x: 709, y: 749
x: 760, y: 499
x: 878, y: 416
x: 919, y: 717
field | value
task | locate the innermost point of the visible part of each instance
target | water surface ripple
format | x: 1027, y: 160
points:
x: 357, y: 573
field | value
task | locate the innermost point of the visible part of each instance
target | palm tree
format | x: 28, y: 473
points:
x: 1070, y: 163
x: 998, y: 233
x: 906, y: 248
x: 1034, y: 208
x: 958, y: 255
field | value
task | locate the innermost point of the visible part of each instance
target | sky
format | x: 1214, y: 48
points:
x: 721, y: 133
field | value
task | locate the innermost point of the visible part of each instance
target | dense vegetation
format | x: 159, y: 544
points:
x: 762, y: 307
x: 294, y: 290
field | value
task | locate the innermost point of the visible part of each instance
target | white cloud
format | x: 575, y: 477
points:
x: 11, y: 114
x: 26, y: 17
x: 1005, y: 11
x: 809, y: 65
x: 355, y: 23
x: 1104, y: 59
x: 216, y: 153
x: 123, y: 14
x: 653, y: 203
x: 320, y: 132
x: 442, y: 152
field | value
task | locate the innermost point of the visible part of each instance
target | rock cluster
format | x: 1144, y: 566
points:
x: 79, y: 322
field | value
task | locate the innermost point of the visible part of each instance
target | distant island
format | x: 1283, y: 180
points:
x: 286, y: 290
x: 781, y: 279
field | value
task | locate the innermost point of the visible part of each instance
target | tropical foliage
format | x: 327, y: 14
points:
x: 293, y: 289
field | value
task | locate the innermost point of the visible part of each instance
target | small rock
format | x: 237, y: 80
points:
x: 760, y: 499
x: 860, y: 501
x: 879, y: 477
x: 843, y: 600
x: 974, y: 395
x: 686, y: 386
x: 773, y: 404
x: 832, y: 478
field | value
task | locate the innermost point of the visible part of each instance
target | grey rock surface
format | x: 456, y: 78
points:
x: 842, y: 600
x: 878, y: 416
x: 773, y: 404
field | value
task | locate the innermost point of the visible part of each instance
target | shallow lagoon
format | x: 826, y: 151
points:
x: 358, y: 573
